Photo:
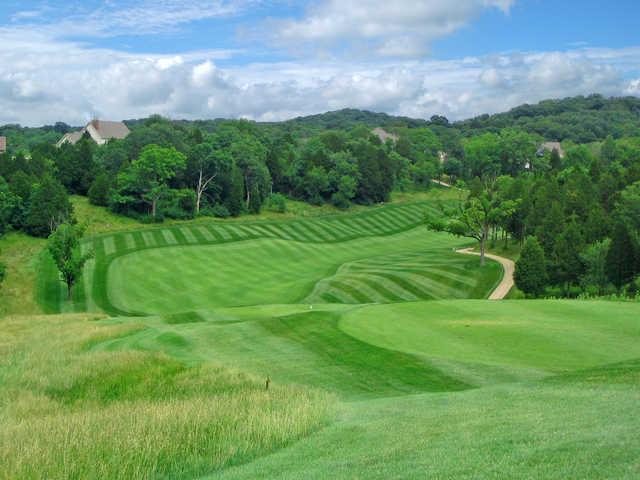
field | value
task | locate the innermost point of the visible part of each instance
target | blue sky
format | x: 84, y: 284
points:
x: 270, y: 59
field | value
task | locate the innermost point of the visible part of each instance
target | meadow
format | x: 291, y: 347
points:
x: 383, y: 359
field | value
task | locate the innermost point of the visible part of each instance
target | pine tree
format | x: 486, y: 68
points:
x: 235, y: 199
x: 49, y: 207
x: 621, y: 259
x: 531, y: 274
x: 99, y: 192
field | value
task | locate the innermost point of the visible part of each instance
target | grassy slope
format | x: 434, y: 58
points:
x: 531, y: 389
x: 527, y: 390
x: 70, y: 411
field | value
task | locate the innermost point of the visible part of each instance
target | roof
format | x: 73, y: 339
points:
x: 551, y: 146
x: 383, y: 135
x: 99, y: 130
x: 109, y: 130
x: 3, y: 144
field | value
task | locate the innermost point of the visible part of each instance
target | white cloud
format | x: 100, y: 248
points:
x: 44, y: 81
x: 387, y: 28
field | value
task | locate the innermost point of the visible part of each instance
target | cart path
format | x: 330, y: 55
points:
x: 508, y: 266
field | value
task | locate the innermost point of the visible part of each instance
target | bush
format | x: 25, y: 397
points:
x: 179, y: 204
x: 99, y: 191
x: 218, y: 211
x: 277, y: 203
x: 530, y: 274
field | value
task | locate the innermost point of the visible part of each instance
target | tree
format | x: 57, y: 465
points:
x: 49, y: 207
x: 149, y: 173
x: 9, y: 206
x: 64, y: 247
x: 99, y: 191
x: 530, y: 274
x: 472, y: 219
x: 594, y: 259
x: 206, y: 163
x: 621, y: 257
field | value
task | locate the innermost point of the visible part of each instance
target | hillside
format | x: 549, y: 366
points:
x: 579, y: 119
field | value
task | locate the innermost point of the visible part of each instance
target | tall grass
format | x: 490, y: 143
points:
x: 69, y: 411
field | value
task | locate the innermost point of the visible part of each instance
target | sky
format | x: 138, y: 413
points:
x: 269, y: 60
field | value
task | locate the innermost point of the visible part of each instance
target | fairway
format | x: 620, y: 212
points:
x: 383, y: 255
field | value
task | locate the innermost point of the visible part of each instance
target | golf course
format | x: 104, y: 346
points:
x: 359, y: 344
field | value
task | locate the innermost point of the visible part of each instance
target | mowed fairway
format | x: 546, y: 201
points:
x: 426, y: 379
x: 383, y: 255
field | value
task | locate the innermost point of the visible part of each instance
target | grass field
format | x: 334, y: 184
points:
x: 384, y: 359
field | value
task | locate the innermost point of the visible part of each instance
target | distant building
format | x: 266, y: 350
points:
x: 99, y: 131
x: 3, y: 144
x: 550, y: 147
x: 383, y: 135
x: 442, y: 157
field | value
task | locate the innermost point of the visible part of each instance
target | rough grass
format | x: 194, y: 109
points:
x: 70, y: 411
x: 21, y: 254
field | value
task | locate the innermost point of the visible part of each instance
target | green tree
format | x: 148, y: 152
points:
x: 9, y: 206
x: 49, y: 207
x: 621, y: 259
x: 235, y: 195
x: 472, y: 219
x: 205, y: 163
x: 149, y: 174
x: 100, y: 188
x: 530, y: 273
x: 594, y: 259
x: 64, y: 247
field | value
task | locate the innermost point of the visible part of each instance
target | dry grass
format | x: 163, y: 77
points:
x: 69, y: 411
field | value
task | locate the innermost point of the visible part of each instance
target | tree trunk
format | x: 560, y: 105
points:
x: 199, y: 193
x: 153, y: 207
x: 246, y: 185
x: 69, y: 290
x: 482, y: 248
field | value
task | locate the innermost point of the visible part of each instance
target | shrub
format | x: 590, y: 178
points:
x: 277, y: 203
x: 99, y: 191
x: 531, y: 275
x: 219, y: 211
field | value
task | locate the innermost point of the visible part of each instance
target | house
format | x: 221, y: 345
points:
x: 99, y: 131
x: 383, y: 135
x: 3, y: 145
x: 550, y: 147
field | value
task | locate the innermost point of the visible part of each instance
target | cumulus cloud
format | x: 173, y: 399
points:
x: 399, y: 28
x: 46, y: 78
x: 43, y: 82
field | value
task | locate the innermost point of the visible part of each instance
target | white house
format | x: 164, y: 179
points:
x: 99, y: 131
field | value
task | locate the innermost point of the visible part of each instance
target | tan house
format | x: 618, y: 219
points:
x: 383, y: 135
x: 100, y: 132
x: 3, y: 145
x: 550, y: 147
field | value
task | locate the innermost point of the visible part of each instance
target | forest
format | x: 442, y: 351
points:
x: 575, y: 212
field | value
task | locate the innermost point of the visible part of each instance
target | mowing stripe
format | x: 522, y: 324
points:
x: 221, y: 232
x: 205, y: 233
x: 350, y: 290
x: 148, y: 239
x: 129, y: 241
x: 188, y: 235
x: 393, y: 286
x: 169, y: 237
x: 179, y: 236
x: 198, y: 234
x: 109, y: 245
x: 157, y: 235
